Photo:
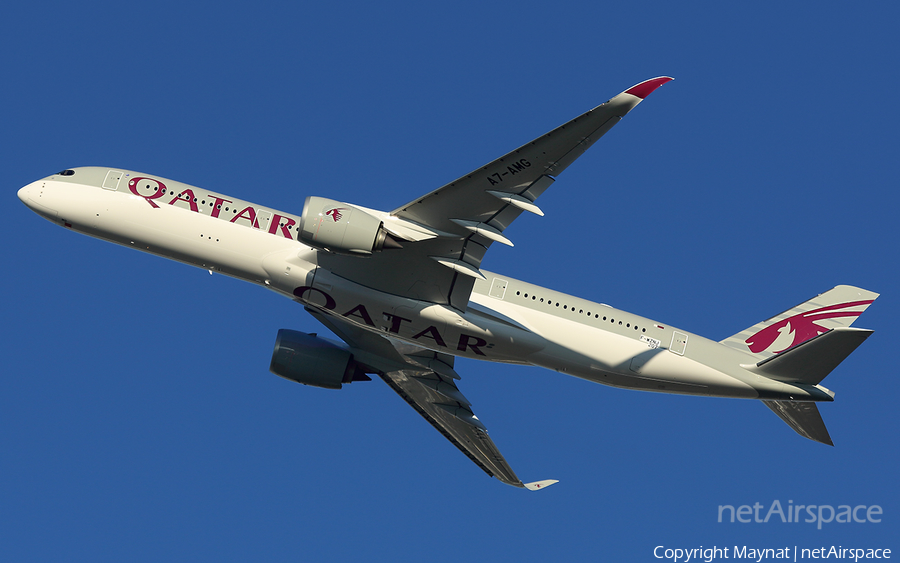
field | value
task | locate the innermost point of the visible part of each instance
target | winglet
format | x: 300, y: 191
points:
x: 540, y: 484
x: 647, y: 87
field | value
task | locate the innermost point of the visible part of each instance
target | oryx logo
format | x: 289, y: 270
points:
x: 335, y: 213
x: 799, y: 328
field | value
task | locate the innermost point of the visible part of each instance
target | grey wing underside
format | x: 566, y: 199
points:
x: 460, y: 220
x: 425, y: 380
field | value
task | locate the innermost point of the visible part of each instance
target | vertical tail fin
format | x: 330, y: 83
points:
x: 835, y: 308
x: 801, y: 346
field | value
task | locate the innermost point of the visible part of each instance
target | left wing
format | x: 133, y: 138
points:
x: 448, y: 231
x: 425, y: 380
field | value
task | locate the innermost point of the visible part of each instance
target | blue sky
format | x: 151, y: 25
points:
x: 138, y: 419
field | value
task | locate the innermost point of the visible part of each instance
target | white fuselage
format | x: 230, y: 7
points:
x: 506, y: 320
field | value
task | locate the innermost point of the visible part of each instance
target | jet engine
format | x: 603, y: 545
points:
x: 337, y: 227
x: 310, y: 360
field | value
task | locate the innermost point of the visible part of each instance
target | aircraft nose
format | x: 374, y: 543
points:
x: 31, y: 196
x: 23, y: 194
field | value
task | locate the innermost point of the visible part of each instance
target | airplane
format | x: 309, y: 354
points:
x: 405, y: 292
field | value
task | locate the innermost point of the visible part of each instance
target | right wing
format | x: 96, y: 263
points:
x: 425, y: 380
x: 448, y: 230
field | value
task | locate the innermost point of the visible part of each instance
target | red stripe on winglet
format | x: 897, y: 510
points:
x: 646, y: 87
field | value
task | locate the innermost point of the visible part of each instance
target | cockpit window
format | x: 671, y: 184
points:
x: 67, y: 173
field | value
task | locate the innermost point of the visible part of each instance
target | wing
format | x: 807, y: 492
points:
x: 425, y: 380
x: 448, y: 231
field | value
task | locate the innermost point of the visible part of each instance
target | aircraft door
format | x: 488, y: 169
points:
x: 679, y: 343
x: 112, y: 180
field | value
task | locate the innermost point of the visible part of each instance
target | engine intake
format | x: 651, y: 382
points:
x: 310, y: 360
x: 337, y: 227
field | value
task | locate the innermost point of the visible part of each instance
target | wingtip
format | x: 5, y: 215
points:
x: 537, y: 485
x: 647, y: 87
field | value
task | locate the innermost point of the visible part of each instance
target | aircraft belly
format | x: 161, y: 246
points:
x: 615, y: 359
x: 673, y: 367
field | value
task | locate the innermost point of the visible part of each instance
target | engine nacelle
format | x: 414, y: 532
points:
x: 310, y: 360
x: 337, y: 227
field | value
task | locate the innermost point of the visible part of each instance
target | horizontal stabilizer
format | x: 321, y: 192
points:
x: 804, y: 418
x: 811, y: 361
